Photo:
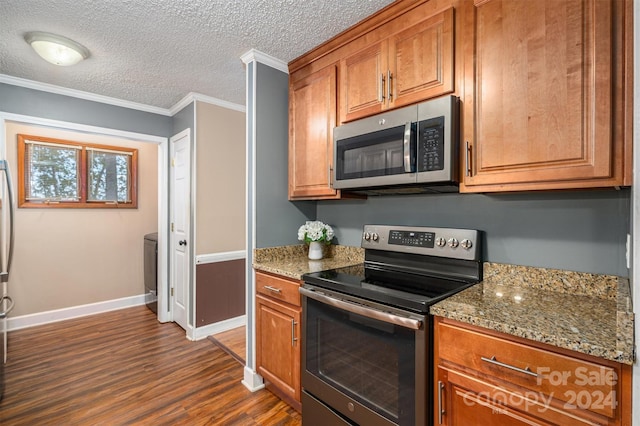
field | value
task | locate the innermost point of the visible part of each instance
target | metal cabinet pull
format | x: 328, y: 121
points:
x: 468, y: 159
x: 389, y: 92
x: 441, y: 411
x: 293, y: 332
x: 273, y: 289
x: 381, y: 91
x: 493, y: 361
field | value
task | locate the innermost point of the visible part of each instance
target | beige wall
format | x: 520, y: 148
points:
x: 70, y: 257
x: 220, y: 179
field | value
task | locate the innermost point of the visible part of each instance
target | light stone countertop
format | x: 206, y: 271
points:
x: 587, y: 313
x: 293, y: 262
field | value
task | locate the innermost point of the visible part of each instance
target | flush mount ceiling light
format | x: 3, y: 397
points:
x: 56, y: 49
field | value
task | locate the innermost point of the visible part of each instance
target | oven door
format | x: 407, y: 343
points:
x: 365, y: 361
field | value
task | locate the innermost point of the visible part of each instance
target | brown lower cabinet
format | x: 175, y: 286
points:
x: 489, y: 378
x: 278, y: 333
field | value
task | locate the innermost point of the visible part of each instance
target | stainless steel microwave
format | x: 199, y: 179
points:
x: 408, y: 150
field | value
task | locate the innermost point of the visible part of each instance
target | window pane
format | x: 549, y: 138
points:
x: 108, y: 176
x: 53, y: 173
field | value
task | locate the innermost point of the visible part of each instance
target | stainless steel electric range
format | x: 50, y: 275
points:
x: 367, y: 333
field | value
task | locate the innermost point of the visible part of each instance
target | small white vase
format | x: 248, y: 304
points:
x: 315, y: 250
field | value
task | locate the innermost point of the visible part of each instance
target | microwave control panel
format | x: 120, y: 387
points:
x: 431, y: 145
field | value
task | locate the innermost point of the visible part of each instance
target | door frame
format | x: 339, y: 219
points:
x: 164, y: 314
x: 163, y: 179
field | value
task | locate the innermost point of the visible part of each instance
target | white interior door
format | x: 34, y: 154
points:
x: 180, y: 226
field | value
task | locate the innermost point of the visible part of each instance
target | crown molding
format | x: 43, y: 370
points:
x: 58, y: 90
x: 191, y: 97
x: 67, y: 125
x: 257, y: 56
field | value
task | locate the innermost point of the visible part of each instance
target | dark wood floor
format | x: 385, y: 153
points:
x: 125, y: 368
x: 232, y: 342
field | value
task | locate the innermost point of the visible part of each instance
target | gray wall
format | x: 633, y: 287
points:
x: 20, y: 100
x: 573, y: 230
x: 184, y: 119
x: 579, y: 230
x: 277, y: 220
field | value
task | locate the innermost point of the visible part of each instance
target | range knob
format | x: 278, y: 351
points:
x: 466, y: 244
x: 440, y: 242
x: 374, y: 236
x: 453, y: 243
x: 367, y: 236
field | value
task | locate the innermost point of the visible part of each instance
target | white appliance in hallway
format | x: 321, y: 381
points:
x: 6, y: 253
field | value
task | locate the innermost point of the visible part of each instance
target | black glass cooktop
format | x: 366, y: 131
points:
x: 412, y: 291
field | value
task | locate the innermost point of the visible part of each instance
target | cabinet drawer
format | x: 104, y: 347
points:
x: 278, y: 288
x: 531, y: 371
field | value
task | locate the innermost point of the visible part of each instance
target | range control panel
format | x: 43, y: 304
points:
x: 412, y: 238
x: 444, y: 242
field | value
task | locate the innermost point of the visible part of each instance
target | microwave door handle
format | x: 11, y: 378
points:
x: 407, y: 148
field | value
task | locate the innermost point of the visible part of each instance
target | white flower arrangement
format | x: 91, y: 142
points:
x: 315, y: 231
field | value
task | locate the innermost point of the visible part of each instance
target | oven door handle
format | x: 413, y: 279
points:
x: 354, y: 308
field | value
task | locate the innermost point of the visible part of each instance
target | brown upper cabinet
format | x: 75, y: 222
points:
x: 409, y: 66
x: 312, y: 117
x: 409, y: 43
x: 546, y: 105
x: 545, y: 89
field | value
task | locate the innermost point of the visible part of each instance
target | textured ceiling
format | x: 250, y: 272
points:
x: 155, y: 52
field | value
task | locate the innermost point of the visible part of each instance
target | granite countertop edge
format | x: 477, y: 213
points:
x: 623, y: 356
x: 476, y: 306
x: 292, y: 262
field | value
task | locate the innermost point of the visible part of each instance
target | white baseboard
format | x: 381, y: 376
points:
x: 252, y: 380
x: 41, y: 318
x: 219, y: 327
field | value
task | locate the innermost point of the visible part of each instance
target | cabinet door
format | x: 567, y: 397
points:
x: 540, y: 114
x: 421, y: 60
x: 462, y: 406
x: 312, y: 117
x: 405, y: 68
x: 363, y: 82
x: 523, y: 384
x: 278, y: 345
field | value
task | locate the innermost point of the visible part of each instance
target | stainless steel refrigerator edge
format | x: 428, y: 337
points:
x: 6, y: 255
